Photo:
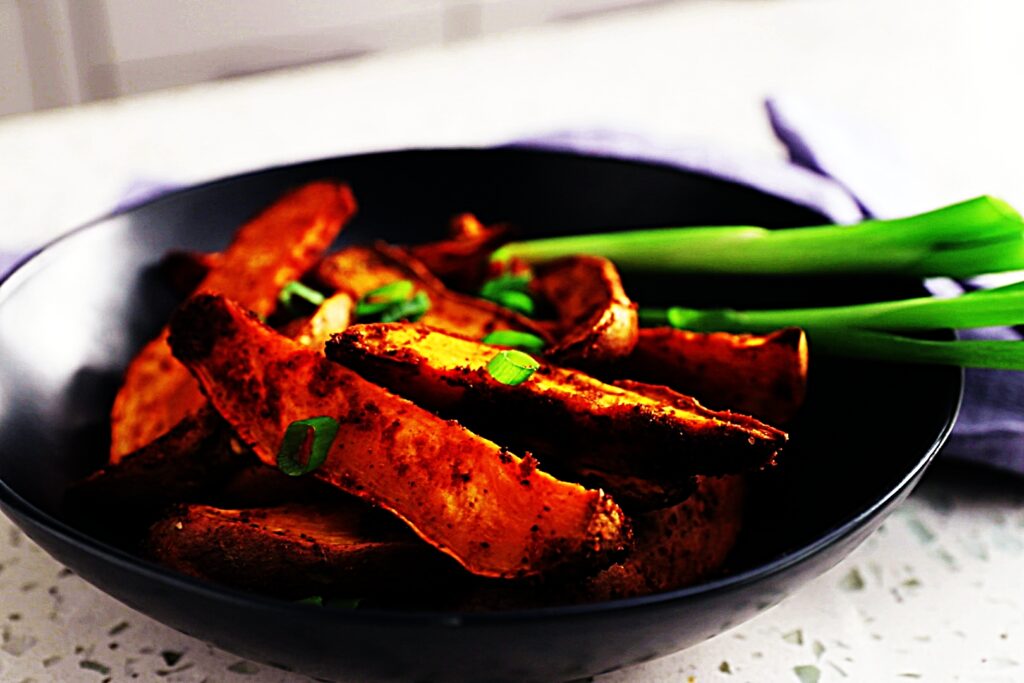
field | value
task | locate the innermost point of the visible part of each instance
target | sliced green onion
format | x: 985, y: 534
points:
x: 519, y: 302
x: 506, y: 283
x: 516, y: 339
x: 323, y: 429
x: 295, y: 292
x: 315, y: 600
x: 982, y: 235
x: 344, y: 603
x: 510, y: 291
x: 383, y: 298
x: 410, y: 310
x: 981, y: 308
x: 512, y: 367
x: 872, y: 345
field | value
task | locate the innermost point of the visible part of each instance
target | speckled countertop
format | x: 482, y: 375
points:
x: 936, y: 594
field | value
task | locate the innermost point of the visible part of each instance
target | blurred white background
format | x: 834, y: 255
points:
x: 61, y: 52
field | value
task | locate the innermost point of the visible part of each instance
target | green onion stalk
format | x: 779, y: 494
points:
x: 978, y: 236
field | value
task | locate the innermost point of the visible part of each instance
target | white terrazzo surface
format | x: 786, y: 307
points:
x: 935, y: 595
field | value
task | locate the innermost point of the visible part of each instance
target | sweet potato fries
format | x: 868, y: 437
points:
x: 371, y: 370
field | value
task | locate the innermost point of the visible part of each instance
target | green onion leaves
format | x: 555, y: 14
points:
x: 512, y: 367
x: 510, y: 291
x: 982, y: 235
x: 296, y: 298
x: 515, y: 339
x: 393, y: 302
x: 312, y: 436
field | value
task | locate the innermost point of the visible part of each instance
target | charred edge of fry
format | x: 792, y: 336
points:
x: 761, y: 375
x: 597, y: 320
x: 292, y: 550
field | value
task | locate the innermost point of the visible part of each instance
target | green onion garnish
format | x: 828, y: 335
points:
x: 510, y: 291
x: 315, y: 600
x: 382, y: 298
x: 515, y: 339
x: 983, y: 235
x: 410, y: 310
x: 512, y: 367
x: 296, y: 436
x: 516, y: 301
x: 295, y: 292
x: 506, y: 283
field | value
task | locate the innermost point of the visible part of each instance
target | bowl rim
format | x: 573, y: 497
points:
x: 25, y: 266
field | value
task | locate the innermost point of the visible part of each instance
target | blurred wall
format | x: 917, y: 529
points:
x: 60, y: 52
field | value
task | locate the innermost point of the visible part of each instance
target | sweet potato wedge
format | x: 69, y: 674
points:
x: 361, y: 269
x: 275, y: 247
x: 597, y: 323
x: 496, y: 514
x: 292, y: 550
x: 185, y: 464
x: 592, y: 428
x: 761, y: 375
x: 463, y: 260
x: 678, y: 545
x: 332, y: 316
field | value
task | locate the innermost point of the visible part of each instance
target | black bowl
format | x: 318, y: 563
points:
x: 71, y: 318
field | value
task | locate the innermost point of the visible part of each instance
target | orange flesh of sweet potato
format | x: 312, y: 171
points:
x: 292, y: 550
x: 496, y: 514
x: 361, y: 269
x: 597, y: 323
x: 594, y: 427
x: 761, y: 375
x: 271, y: 250
x: 332, y: 316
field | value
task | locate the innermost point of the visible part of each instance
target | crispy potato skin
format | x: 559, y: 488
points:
x: 361, y: 269
x: 186, y: 464
x: 678, y: 545
x: 496, y: 514
x: 591, y: 427
x: 597, y: 323
x: 761, y: 375
x: 291, y: 550
x: 268, y: 252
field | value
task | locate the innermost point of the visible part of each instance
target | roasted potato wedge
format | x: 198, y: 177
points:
x: 597, y: 323
x: 186, y: 464
x: 592, y: 428
x: 274, y: 248
x: 462, y: 261
x: 331, y: 317
x: 761, y: 375
x: 293, y: 550
x: 185, y: 270
x: 361, y: 269
x: 678, y: 545
x: 496, y: 514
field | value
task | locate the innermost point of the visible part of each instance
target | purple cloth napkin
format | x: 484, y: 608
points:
x: 836, y: 168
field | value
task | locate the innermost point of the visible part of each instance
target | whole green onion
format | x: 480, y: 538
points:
x: 872, y: 345
x: 982, y: 308
x: 324, y: 429
x: 982, y: 235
